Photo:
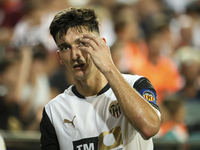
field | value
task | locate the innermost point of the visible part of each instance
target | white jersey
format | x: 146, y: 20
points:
x: 76, y: 122
x: 2, y: 143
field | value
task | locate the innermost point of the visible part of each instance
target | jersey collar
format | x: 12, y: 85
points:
x: 74, y: 90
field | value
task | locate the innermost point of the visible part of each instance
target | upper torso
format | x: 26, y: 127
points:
x: 93, y: 122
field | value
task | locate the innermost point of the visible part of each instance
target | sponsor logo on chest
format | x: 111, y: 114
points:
x: 105, y: 141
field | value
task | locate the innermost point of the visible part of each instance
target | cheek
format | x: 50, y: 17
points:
x: 65, y: 57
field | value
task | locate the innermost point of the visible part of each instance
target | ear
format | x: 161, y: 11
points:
x: 59, y: 57
x: 104, y: 39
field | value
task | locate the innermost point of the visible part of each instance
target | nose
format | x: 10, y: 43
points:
x: 75, y: 53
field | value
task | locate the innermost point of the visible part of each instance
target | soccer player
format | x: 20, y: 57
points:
x: 104, y: 109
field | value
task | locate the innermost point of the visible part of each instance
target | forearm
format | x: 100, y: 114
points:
x: 137, y: 110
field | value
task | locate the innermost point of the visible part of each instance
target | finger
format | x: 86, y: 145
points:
x: 88, y: 42
x: 96, y: 39
x: 86, y: 49
x: 99, y: 41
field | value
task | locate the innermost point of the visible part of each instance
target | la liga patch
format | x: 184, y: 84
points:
x: 149, y: 95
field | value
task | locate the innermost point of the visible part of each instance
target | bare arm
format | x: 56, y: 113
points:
x: 137, y: 110
x: 143, y: 117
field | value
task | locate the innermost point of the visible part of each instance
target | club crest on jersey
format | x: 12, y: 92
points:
x: 115, y: 109
x: 148, y: 95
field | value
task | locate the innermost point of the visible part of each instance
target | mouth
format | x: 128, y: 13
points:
x: 78, y: 66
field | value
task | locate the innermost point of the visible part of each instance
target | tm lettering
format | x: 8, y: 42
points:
x: 85, y: 147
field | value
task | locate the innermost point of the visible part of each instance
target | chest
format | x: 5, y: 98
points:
x: 81, y: 118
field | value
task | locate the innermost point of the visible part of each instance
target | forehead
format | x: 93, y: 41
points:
x: 72, y: 35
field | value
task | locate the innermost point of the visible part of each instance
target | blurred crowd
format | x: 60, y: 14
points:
x: 158, y: 39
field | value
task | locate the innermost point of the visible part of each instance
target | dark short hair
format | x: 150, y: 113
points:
x: 76, y: 18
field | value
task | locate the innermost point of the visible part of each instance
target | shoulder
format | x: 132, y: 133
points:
x: 138, y: 82
x: 131, y: 78
x: 57, y: 104
x: 60, y: 98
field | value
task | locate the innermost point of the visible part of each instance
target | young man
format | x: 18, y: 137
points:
x: 104, y: 109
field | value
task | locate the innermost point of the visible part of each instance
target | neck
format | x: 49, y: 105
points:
x: 91, y: 86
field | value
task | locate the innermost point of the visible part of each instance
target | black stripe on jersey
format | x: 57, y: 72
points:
x: 76, y: 92
x: 144, y: 83
x: 48, y: 138
x: 105, y: 88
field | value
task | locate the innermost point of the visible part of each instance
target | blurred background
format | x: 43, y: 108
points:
x: 158, y: 39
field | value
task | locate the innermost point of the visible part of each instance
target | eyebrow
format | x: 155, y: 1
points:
x: 63, y: 45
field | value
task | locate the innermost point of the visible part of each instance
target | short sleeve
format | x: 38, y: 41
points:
x: 147, y: 91
x: 48, y: 139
